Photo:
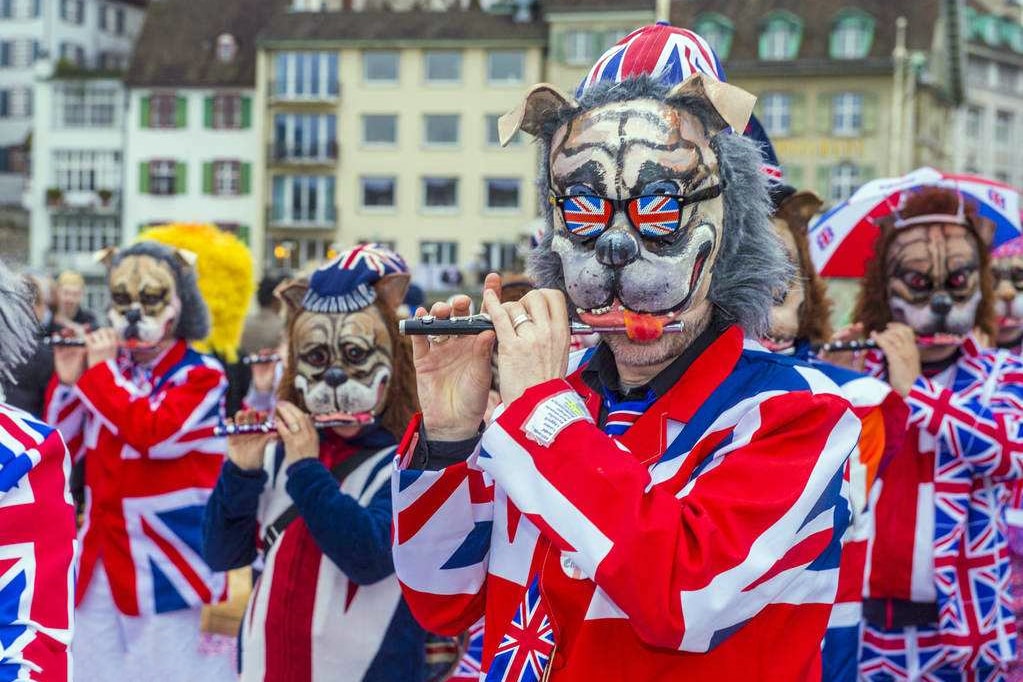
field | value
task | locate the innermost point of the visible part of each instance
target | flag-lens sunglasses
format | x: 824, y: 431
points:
x: 655, y: 216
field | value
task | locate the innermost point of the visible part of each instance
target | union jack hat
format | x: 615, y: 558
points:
x: 1010, y: 249
x: 345, y: 284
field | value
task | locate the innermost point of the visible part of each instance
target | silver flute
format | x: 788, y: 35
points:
x: 428, y: 325
x: 269, y: 426
x: 260, y: 359
x: 846, y: 346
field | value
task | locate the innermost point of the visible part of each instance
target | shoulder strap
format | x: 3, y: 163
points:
x: 274, y: 531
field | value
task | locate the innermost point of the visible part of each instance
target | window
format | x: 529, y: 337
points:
x: 103, y: 10
x: 442, y: 67
x: 72, y: 11
x: 227, y: 178
x: 440, y: 129
x: 847, y: 114
x: 307, y: 199
x: 493, y: 134
x: 86, y: 170
x: 506, y: 66
x: 306, y: 75
x: 1007, y: 75
x: 974, y: 122
x: 777, y: 113
x: 227, y: 111
x: 780, y: 37
x: 1002, y: 176
x: 164, y: 110
x: 85, y: 105
x: 380, y: 129
x: 18, y: 54
x: 16, y: 103
x: 112, y: 61
x: 845, y: 178
x: 440, y: 193
x: 716, y: 30
x: 498, y: 257
x: 119, y: 19
x: 438, y: 266
x: 852, y: 35
x: 502, y: 194
x: 305, y: 136
x: 579, y: 48
x: 19, y: 9
x: 73, y: 233
x: 438, y: 253
x: 1003, y: 126
x: 227, y: 48
x: 288, y: 255
x: 378, y: 192
x: 73, y: 53
x: 163, y: 178
x: 380, y: 67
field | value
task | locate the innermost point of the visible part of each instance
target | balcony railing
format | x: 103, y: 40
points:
x: 321, y: 153
x: 322, y: 220
x: 83, y: 201
x: 288, y: 93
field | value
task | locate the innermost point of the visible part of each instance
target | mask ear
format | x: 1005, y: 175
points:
x: 187, y: 259
x: 986, y: 232
x: 391, y: 289
x: 541, y: 102
x: 105, y: 256
x: 804, y: 205
x: 733, y: 104
x: 291, y: 293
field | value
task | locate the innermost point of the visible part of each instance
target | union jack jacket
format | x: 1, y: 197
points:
x: 151, y: 460
x: 703, y: 544
x: 37, y: 549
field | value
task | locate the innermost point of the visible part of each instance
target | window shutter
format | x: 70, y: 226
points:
x: 833, y: 41
x: 207, y: 178
x: 559, y: 47
x: 144, y: 177
x: 597, y: 39
x: 797, y: 114
x: 181, y: 113
x: 243, y: 233
x: 145, y: 109
x: 181, y: 178
x: 5, y: 9
x: 762, y: 43
x: 36, y: 8
x: 5, y: 53
x: 246, y: 112
x: 4, y: 97
x: 246, y: 178
x: 207, y: 115
x: 871, y: 112
x: 824, y: 113
x: 824, y: 182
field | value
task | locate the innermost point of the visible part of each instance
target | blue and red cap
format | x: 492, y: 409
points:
x: 346, y: 283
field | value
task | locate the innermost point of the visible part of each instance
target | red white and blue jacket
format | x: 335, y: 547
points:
x: 703, y: 544
x: 37, y: 549
x: 940, y: 533
x: 151, y: 461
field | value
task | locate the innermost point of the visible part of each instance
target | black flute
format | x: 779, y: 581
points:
x: 471, y: 325
x: 845, y: 346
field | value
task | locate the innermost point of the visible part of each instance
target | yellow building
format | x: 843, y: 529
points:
x: 382, y: 125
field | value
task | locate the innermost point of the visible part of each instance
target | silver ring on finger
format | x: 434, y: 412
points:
x: 437, y: 340
x: 520, y: 320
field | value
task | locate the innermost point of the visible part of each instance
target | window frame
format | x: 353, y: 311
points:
x: 780, y: 23
x: 439, y: 208
x: 836, y: 181
x: 365, y: 119
x: 155, y: 179
x: 489, y: 208
x: 491, y: 54
x: 365, y: 179
x: 158, y: 109
x: 428, y: 80
x: 367, y: 80
x: 231, y: 171
x: 769, y: 115
x: 221, y: 118
x: 427, y: 143
x: 841, y: 110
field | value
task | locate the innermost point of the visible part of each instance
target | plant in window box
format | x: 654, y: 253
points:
x: 54, y: 196
x: 105, y: 195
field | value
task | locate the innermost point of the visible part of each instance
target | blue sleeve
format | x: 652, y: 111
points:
x: 356, y: 538
x: 229, y: 525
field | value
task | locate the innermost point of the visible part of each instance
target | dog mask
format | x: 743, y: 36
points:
x: 1007, y: 270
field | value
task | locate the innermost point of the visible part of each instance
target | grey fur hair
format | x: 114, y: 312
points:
x: 194, y: 321
x: 751, y: 264
x: 18, y: 324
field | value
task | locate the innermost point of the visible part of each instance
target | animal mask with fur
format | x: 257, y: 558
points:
x: 1008, y: 288
x: 802, y: 310
x: 154, y: 295
x: 933, y: 276
x: 350, y: 363
x: 643, y: 137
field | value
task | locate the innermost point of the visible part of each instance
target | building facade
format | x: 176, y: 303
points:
x: 382, y: 126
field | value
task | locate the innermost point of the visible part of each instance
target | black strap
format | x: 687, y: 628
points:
x: 340, y: 471
x: 890, y: 614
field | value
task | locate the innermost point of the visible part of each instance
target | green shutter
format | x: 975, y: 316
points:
x: 871, y: 111
x: 797, y: 113
x: 207, y: 115
x: 558, y: 49
x: 181, y: 113
x: 181, y: 178
x: 762, y: 43
x: 824, y: 182
x: 246, y: 112
x: 597, y: 44
x: 824, y: 113
x: 243, y: 233
x: 207, y: 178
x: 246, y: 178
x: 145, y: 109
x: 144, y: 177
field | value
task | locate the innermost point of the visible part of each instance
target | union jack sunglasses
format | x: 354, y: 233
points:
x: 655, y: 216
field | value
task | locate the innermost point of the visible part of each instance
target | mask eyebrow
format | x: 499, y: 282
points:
x: 591, y: 173
x: 651, y: 171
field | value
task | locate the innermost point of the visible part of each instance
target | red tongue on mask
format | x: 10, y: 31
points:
x: 643, y: 327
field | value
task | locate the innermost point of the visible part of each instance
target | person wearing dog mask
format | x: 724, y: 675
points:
x: 139, y: 404
x: 312, y: 497
x: 937, y: 581
x: 669, y: 504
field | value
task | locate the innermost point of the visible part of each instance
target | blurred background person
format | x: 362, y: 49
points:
x: 264, y: 330
x: 26, y: 386
x: 68, y: 312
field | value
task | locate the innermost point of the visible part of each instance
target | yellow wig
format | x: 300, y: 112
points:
x: 224, y: 267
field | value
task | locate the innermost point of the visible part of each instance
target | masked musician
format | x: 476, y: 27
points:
x: 799, y: 321
x: 938, y: 567
x: 316, y: 502
x: 669, y: 504
x: 1007, y: 268
x: 37, y: 521
x: 140, y: 404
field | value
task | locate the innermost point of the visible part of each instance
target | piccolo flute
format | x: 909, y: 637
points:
x: 260, y: 359
x: 65, y: 341
x: 477, y: 324
x: 269, y: 426
x: 845, y: 346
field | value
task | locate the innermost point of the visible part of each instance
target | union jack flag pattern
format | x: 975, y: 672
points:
x: 701, y: 544
x: 586, y: 216
x: 655, y: 216
x: 940, y: 533
x: 151, y: 460
x: 528, y: 643
x: 470, y: 667
x: 37, y: 549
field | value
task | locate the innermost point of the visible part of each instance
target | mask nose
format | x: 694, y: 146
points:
x: 334, y: 377
x: 616, y: 248
x: 133, y: 315
x: 941, y: 304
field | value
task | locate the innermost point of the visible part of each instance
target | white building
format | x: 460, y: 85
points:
x: 191, y: 124
x: 95, y: 35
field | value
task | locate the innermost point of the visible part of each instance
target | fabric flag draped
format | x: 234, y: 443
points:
x: 842, y: 239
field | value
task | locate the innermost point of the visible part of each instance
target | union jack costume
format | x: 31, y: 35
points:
x: 701, y: 544
x: 940, y: 535
x: 37, y: 548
